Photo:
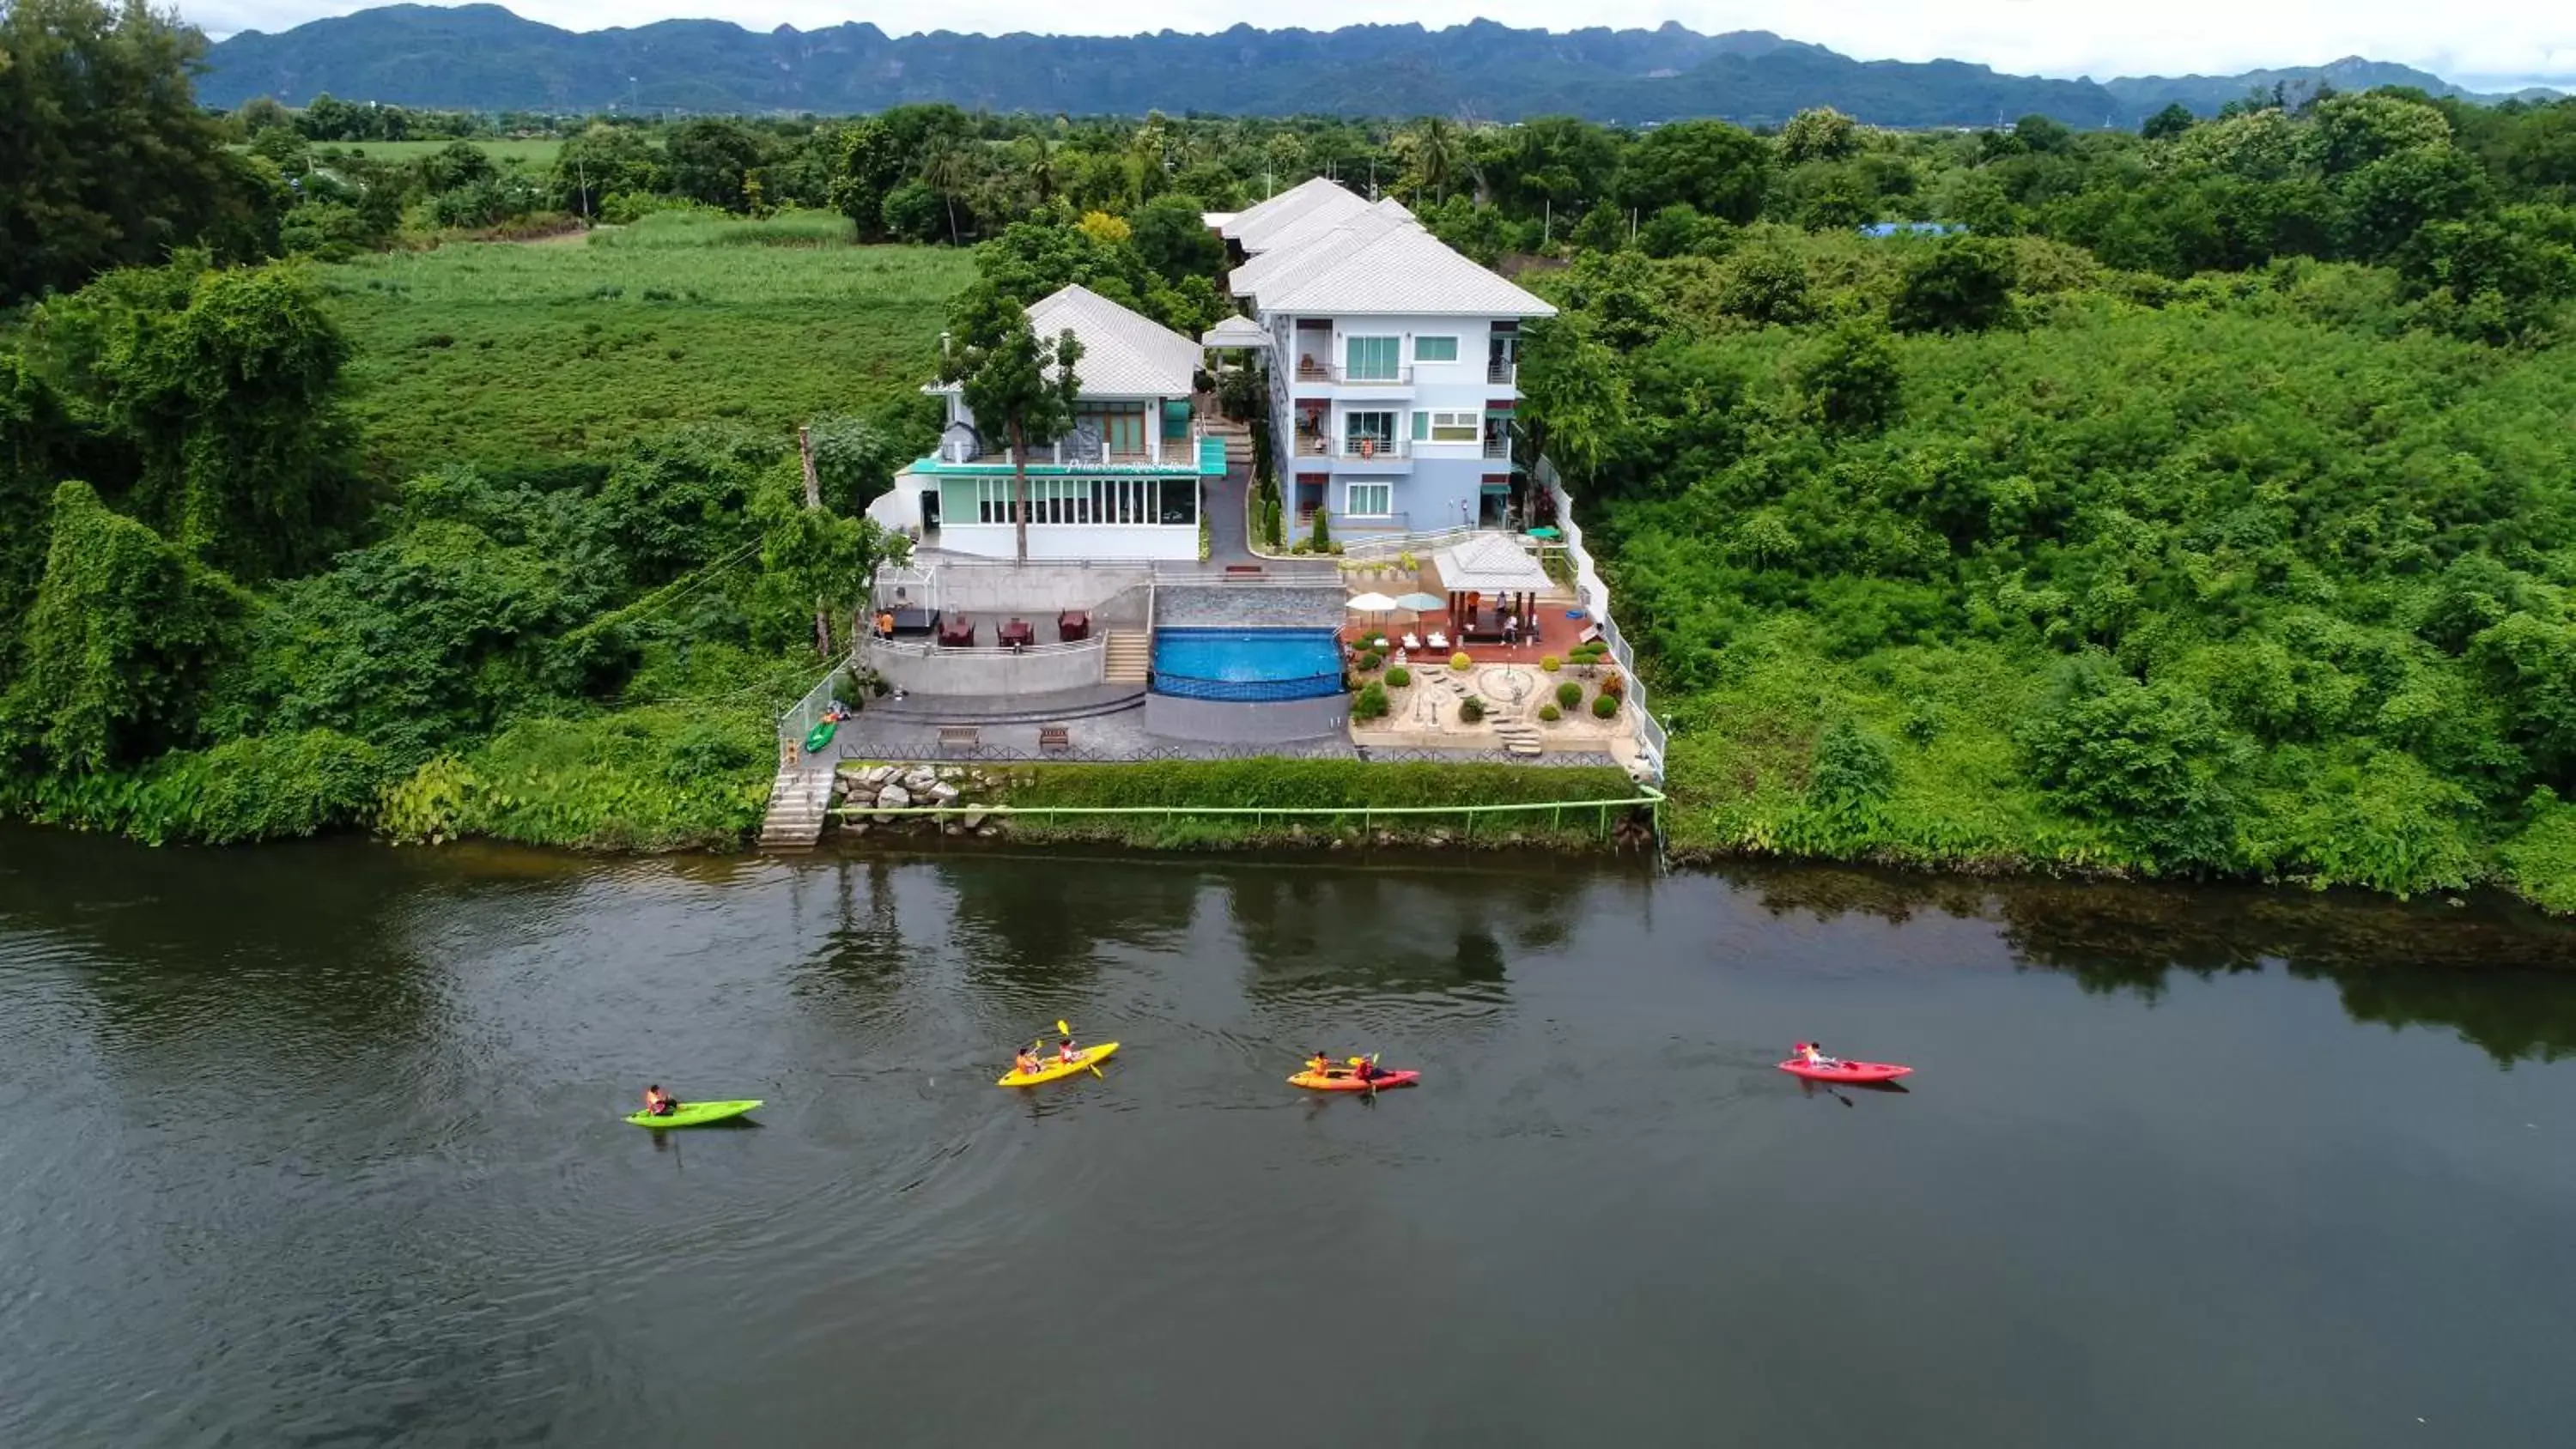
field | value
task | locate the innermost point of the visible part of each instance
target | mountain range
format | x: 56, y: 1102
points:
x: 483, y: 57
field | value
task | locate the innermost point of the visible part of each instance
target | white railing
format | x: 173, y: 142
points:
x: 1310, y: 445
x: 1385, y: 546
x: 931, y: 648
x: 1594, y: 595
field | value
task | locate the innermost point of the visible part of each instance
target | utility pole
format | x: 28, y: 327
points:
x: 814, y: 504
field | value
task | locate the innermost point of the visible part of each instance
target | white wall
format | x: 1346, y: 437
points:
x: 987, y: 669
x: 1075, y: 541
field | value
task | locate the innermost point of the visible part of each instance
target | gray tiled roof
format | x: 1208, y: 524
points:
x: 1403, y: 269
x: 1492, y: 563
x: 1314, y: 247
x: 1255, y: 228
x: 1122, y: 353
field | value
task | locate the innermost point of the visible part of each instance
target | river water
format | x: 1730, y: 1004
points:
x: 319, y: 1145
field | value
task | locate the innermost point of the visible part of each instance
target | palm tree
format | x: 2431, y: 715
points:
x: 949, y: 169
x: 1041, y: 172
x: 1439, y: 155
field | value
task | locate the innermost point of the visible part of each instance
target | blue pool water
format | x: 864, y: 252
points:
x: 1247, y: 664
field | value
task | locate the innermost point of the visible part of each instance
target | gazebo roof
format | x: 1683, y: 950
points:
x: 1236, y: 332
x: 1490, y: 563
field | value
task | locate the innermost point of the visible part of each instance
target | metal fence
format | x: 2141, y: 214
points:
x: 800, y: 718
x: 927, y: 749
x: 1595, y: 598
x: 1377, y: 548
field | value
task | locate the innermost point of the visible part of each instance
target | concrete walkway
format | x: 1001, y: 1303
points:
x: 1223, y: 498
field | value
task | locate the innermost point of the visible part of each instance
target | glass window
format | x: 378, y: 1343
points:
x: 1180, y: 500
x: 1457, y: 427
x: 1421, y: 427
x: 1369, y: 500
x: 1372, y: 359
x: 1435, y: 349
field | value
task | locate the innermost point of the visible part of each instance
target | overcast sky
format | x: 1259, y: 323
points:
x: 2479, y: 43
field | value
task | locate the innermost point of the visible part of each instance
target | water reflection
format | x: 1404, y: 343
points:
x: 2494, y: 972
x: 1046, y: 919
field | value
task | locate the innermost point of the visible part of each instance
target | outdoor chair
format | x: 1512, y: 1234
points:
x: 959, y: 737
x: 1054, y: 740
x: 1412, y: 641
x: 1439, y: 640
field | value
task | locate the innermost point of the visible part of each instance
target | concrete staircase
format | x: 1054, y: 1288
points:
x: 1237, y: 438
x: 1129, y: 654
x: 797, y: 800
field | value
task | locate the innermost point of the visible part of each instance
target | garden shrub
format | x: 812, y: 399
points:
x: 1471, y: 709
x: 1550, y: 663
x: 1371, y: 702
x: 1460, y: 662
x: 1605, y: 706
x: 1398, y: 677
x: 1550, y: 713
x: 1569, y: 694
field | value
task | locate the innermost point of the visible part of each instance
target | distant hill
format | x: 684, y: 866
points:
x: 482, y: 57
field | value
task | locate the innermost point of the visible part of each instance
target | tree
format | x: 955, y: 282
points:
x: 456, y: 164
x: 1013, y: 381
x: 1172, y: 237
x: 1850, y: 382
x: 1577, y: 398
x: 1962, y: 285
x: 949, y: 169
x: 224, y: 386
x: 1720, y: 169
x: 2169, y: 123
x: 1765, y: 285
x: 871, y: 165
x: 105, y: 158
x: 710, y: 158
x: 116, y: 646
x: 1435, y: 156
x: 2149, y: 764
x: 1819, y: 133
x: 604, y: 161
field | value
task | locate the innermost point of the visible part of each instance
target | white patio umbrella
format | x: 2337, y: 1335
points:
x: 1370, y: 604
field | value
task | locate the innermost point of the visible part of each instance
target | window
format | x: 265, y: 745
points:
x: 1437, y: 427
x: 1373, y: 359
x: 1435, y: 349
x: 992, y: 500
x: 1368, y: 500
x: 1378, y: 428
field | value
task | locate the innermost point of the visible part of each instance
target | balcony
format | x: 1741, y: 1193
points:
x: 1182, y: 453
x: 1502, y: 374
x: 1353, y: 450
x: 1498, y: 447
x: 1316, y: 371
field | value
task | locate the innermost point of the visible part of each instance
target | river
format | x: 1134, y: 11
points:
x: 318, y: 1145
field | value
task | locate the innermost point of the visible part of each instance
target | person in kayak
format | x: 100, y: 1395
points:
x: 1320, y: 1064
x: 1027, y: 1063
x: 1812, y: 1053
x: 1066, y: 1052
x: 658, y: 1103
x: 1362, y: 1069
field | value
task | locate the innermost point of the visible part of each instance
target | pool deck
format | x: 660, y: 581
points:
x: 1557, y: 634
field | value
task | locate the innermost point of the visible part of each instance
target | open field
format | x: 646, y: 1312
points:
x: 538, y: 153
x: 505, y: 354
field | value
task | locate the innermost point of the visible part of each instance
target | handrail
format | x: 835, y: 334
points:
x: 798, y: 719
x: 1647, y: 795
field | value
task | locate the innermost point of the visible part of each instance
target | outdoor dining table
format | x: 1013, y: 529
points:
x: 1018, y: 634
x: 957, y: 633
x: 1072, y: 625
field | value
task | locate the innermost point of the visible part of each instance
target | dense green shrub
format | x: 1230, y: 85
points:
x: 1605, y: 706
x: 1370, y: 703
x: 1569, y: 694
x: 1550, y: 713
x: 1471, y: 709
x: 1370, y: 662
x: 1398, y: 677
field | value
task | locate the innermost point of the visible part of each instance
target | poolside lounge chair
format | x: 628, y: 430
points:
x: 1411, y: 640
x: 1439, y: 640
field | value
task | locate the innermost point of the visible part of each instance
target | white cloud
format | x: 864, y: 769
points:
x: 2475, y: 42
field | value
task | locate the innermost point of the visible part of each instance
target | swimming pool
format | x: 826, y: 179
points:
x: 1247, y: 664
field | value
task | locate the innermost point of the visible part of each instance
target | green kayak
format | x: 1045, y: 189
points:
x: 693, y: 1114
x: 820, y: 736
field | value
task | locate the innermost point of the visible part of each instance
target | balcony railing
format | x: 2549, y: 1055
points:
x: 1501, y: 372
x: 1311, y: 369
x: 1315, y: 445
x: 1498, y: 447
x: 1174, y: 453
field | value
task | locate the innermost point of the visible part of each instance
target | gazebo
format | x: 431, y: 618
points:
x: 1488, y: 567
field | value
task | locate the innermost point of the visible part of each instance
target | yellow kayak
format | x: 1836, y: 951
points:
x: 1050, y: 1070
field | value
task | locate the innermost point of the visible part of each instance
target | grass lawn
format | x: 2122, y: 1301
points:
x: 537, y: 154
x: 503, y: 353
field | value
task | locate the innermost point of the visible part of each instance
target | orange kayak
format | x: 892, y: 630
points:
x: 1345, y: 1082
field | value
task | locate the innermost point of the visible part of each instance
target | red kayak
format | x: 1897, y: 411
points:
x: 1345, y: 1082
x: 1846, y: 1071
